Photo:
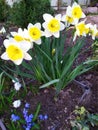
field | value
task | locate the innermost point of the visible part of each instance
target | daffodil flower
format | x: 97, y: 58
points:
x: 81, y: 29
x: 93, y: 31
x: 52, y: 25
x: 19, y: 35
x: 16, y: 52
x: 34, y: 33
x: 77, y: 12
x: 68, y: 19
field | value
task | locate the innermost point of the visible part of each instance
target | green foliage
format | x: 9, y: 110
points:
x: 3, y: 11
x: 19, y: 124
x: 83, y: 119
x: 29, y: 11
x: 52, y: 65
x: 6, y: 96
x: 95, y: 49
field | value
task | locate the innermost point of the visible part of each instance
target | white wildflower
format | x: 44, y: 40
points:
x: 16, y: 103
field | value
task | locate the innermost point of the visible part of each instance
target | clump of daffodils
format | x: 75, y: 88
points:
x: 18, y: 45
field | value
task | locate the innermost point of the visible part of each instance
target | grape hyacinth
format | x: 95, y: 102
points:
x: 28, y: 118
x: 15, y: 117
x: 43, y: 117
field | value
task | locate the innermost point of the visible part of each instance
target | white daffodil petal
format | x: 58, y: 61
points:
x: 58, y: 17
x: 68, y: 11
x: 4, y: 56
x: 38, y: 41
x: 25, y: 45
x: 62, y: 26
x: 30, y: 25
x: 83, y: 15
x: 13, y: 33
x: 57, y: 34
x: 75, y: 36
x: 26, y: 35
x: 20, y: 30
x: 74, y: 4
x: 47, y: 33
x: 6, y: 43
x: 63, y: 18
x: 47, y: 17
x: 38, y: 25
x: 44, y: 25
x: 18, y: 62
x: 27, y: 56
x: 75, y: 22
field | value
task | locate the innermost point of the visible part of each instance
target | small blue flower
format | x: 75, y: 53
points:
x: 25, y: 112
x: 45, y: 117
x: 15, y: 117
x: 27, y: 105
x: 40, y: 117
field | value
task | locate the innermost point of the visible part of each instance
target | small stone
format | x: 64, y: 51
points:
x: 46, y: 91
x: 88, y: 77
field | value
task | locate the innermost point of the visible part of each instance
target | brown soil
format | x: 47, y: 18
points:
x: 60, y: 109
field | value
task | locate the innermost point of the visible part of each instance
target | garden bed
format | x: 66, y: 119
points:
x: 60, y: 108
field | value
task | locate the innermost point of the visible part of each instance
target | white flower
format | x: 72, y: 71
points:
x: 16, y: 103
x: 93, y: 30
x: 3, y: 30
x: 34, y: 33
x: 68, y: 19
x: 17, y: 86
x: 19, y: 35
x: 81, y: 30
x: 77, y: 12
x: 52, y: 25
x: 16, y: 52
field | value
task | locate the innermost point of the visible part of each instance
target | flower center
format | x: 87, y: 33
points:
x: 54, y: 25
x: 34, y: 33
x: 82, y: 28
x: 77, y: 12
x: 69, y: 19
x: 14, y: 53
x: 18, y: 38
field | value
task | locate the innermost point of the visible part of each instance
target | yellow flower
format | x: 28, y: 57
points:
x: 81, y: 29
x: 93, y: 31
x: 19, y: 35
x: 16, y: 52
x: 68, y: 19
x: 18, y: 38
x: 77, y: 11
x: 52, y: 25
x: 34, y: 33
